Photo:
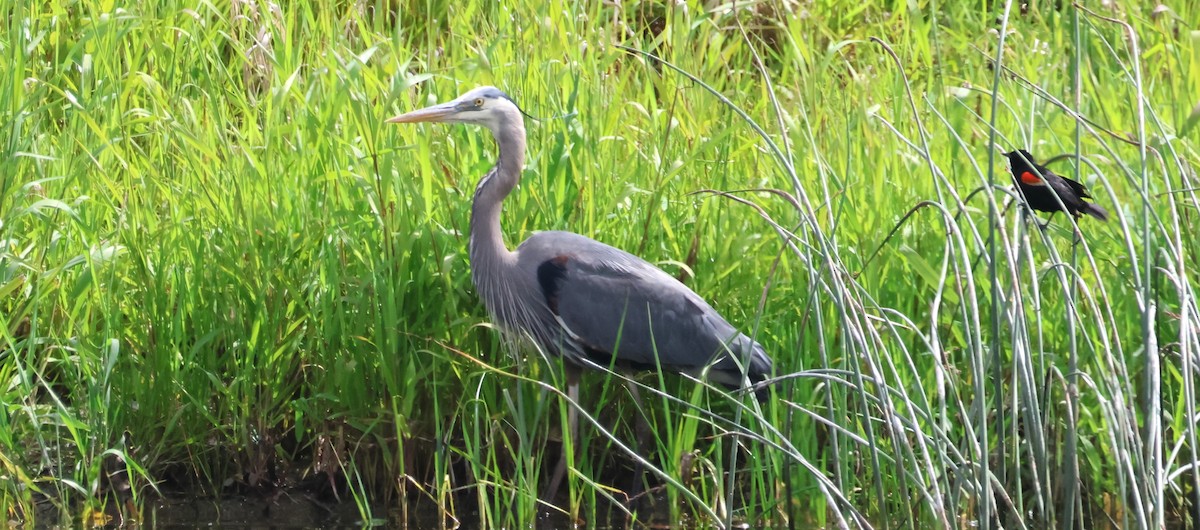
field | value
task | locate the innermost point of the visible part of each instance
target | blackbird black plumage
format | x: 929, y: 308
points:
x: 1036, y: 182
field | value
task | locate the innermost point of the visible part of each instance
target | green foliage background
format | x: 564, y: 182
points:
x: 220, y: 268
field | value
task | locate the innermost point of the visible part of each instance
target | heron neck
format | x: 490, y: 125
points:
x: 487, y: 240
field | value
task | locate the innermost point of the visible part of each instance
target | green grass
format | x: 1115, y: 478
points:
x: 221, y: 272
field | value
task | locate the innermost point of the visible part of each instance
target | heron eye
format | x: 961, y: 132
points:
x: 478, y: 102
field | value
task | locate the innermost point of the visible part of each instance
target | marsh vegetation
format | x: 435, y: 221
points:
x: 222, y: 275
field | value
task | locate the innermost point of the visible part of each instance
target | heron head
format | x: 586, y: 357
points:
x: 486, y: 106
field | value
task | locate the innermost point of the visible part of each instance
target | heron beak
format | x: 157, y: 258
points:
x: 435, y: 113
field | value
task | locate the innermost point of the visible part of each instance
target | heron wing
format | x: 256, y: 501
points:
x: 621, y: 307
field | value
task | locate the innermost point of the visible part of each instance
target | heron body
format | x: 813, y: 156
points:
x: 612, y: 307
x: 1036, y: 182
x: 590, y: 303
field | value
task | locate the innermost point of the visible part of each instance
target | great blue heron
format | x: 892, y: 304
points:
x: 590, y: 303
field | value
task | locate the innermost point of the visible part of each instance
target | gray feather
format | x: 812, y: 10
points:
x: 618, y: 304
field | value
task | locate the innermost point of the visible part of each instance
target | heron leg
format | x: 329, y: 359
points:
x: 570, y: 441
x: 641, y: 442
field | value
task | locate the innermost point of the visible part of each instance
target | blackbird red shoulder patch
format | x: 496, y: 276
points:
x: 1030, y: 179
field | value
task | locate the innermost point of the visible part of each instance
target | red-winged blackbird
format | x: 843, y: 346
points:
x: 1035, y: 183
